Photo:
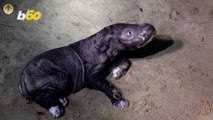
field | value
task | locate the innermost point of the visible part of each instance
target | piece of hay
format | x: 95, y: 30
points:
x: 205, y: 107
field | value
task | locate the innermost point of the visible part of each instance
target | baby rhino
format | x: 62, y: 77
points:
x: 53, y: 75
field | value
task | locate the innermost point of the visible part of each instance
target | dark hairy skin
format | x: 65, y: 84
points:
x: 53, y: 75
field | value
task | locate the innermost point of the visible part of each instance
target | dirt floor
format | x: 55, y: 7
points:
x: 173, y: 84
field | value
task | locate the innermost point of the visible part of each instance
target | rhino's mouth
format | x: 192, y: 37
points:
x: 146, y: 42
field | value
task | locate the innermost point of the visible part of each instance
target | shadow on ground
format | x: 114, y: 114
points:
x: 162, y: 44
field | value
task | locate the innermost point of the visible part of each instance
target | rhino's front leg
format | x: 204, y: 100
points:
x: 101, y: 84
x: 120, y: 67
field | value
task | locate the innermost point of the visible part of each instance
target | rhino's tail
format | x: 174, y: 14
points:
x: 23, y: 89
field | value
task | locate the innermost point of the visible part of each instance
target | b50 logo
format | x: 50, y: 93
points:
x: 30, y: 15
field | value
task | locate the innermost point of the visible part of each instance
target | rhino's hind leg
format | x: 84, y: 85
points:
x: 50, y: 102
x: 101, y: 84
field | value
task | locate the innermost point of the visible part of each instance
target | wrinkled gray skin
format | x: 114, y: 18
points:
x: 53, y: 75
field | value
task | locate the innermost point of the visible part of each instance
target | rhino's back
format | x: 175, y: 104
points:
x: 60, y: 70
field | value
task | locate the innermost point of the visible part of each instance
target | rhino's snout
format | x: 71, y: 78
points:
x: 147, y: 31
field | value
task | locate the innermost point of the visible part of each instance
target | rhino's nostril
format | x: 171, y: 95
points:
x: 143, y: 35
x: 148, y: 28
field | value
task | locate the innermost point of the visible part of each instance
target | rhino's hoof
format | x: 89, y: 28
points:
x: 64, y: 101
x: 117, y: 72
x: 56, y: 111
x: 121, y: 104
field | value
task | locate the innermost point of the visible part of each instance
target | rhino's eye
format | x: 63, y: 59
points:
x: 129, y: 33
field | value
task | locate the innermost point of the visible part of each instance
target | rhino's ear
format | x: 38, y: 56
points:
x: 111, y: 32
x: 103, y: 47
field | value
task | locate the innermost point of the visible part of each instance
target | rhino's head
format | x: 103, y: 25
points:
x: 133, y: 36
